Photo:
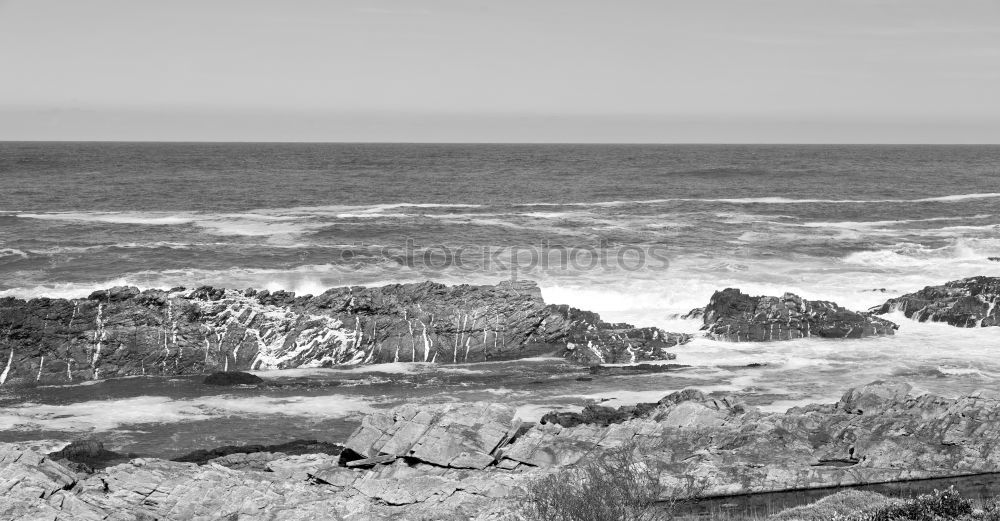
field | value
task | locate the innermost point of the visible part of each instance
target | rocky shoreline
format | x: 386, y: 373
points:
x: 123, y: 331
x: 472, y: 460
x: 462, y: 461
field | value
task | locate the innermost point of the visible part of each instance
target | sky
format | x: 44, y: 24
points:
x: 747, y: 71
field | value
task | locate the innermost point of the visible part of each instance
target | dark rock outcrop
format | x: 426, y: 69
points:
x: 624, y: 370
x: 90, y: 453
x: 734, y: 316
x: 123, y: 331
x: 233, y: 378
x: 971, y: 302
x: 291, y: 448
x: 591, y: 340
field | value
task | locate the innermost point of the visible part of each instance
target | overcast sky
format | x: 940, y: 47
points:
x: 502, y: 70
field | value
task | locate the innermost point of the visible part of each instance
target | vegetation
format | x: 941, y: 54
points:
x: 941, y: 505
x: 615, y: 486
x: 619, y: 486
x: 840, y: 504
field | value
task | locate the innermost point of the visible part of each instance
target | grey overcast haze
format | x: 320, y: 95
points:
x: 750, y: 71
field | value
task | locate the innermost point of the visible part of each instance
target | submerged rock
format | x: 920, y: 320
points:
x: 734, y: 316
x: 970, y: 302
x: 232, y: 378
x: 123, y: 331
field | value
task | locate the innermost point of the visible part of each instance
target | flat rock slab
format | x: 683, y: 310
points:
x: 458, y: 436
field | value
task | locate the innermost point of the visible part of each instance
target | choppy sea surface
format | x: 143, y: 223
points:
x: 638, y: 233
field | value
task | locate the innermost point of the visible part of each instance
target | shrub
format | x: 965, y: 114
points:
x: 990, y: 510
x: 942, y: 504
x: 615, y: 486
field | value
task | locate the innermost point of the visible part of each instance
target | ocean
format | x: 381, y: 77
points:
x: 638, y: 233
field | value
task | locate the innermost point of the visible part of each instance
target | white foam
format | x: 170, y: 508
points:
x: 388, y: 368
x: 108, y: 415
x: 533, y: 412
x: 780, y: 200
x: 150, y: 218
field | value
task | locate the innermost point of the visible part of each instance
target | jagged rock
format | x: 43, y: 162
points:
x: 592, y: 341
x: 233, y: 378
x: 970, y: 302
x: 694, y: 314
x: 446, y: 435
x: 123, y: 331
x: 736, y: 317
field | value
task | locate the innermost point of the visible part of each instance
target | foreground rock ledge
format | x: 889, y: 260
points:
x: 124, y: 332
x: 970, y: 302
x: 462, y: 461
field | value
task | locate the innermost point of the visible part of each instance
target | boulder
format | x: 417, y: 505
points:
x: 232, y: 378
x: 734, y: 316
x: 970, y: 302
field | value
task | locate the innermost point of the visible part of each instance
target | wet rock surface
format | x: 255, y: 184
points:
x: 233, y: 378
x: 124, y: 332
x: 293, y: 448
x: 631, y: 369
x: 734, y: 316
x: 469, y: 461
x: 971, y: 302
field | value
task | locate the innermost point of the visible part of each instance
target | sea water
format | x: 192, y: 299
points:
x: 650, y: 231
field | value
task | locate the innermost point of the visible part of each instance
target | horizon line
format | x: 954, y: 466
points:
x: 554, y: 143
